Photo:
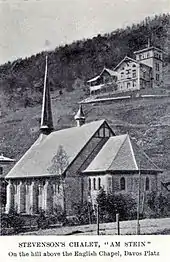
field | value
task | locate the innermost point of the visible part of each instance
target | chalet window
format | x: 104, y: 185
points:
x: 147, y: 184
x: 89, y: 184
x: 157, y: 77
x: 122, y: 183
x: 144, y: 74
x: 99, y: 183
x: 128, y: 71
x: 1, y: 170
x: 122, y: 74
x: 157, y: 66
x: 134, y: 83
x: 94, y: 183
x: 134, y: 73
x: 128, y: 85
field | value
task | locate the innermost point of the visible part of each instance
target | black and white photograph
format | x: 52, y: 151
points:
x: 85, y: 118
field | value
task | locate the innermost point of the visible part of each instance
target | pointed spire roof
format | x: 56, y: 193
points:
x: 80, y: 114
x: 46, y: 116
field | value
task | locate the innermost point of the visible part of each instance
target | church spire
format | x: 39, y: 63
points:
x: 46, y: 126
x: 80, y: 117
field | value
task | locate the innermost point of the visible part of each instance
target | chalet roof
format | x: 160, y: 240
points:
x: 126, y: 58
x: 147, y: 49
x: 109, y: 71
x: 36, y: 161
x: 121, y: 154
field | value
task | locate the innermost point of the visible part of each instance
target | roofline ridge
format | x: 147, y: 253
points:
x: 124, y: 59
x: 148, y: 158
x: 118, y: 151
x: 133, y: 154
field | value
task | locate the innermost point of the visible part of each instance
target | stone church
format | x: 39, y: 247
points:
x: 94, y: 158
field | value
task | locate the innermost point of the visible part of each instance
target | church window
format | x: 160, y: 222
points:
x: 147, y: 184
x: 89, y: 184
x: 122, y: 183
x: 94, y: 183
x: 99, y: 183
x: 109, y: 181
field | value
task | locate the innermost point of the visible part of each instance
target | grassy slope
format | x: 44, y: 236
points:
x: 148, y: 226
x: 147, y: 121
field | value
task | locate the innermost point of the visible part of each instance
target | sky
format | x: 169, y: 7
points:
x: 30, y: 26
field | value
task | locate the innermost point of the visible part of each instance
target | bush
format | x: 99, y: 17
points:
x: 12, y: 220
x: 84, y: 212
x: 159, y: 204
x: 42, y: 220
x: 110, y: 205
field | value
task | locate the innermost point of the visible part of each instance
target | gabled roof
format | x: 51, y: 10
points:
x: 126, y: 58
x: 120, y: 154
x: 109, y: 71
x: 147, y: 49
x: 37, y: 159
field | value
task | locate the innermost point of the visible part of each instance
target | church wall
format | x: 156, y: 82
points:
x: 73, y: 193
x: 112, y: 184
x: 132, y: 183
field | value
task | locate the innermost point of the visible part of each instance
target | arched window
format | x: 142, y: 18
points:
x: 89, y: 184
x: 99, y: 183
x: 147, y: 184
x: 122, y: 183
x: 94, y: 183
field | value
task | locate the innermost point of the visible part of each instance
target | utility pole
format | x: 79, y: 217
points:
x: 97, y: 219
x: 118, y: 224
x: 138, y: 205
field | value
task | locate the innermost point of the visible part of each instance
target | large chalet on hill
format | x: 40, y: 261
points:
x: 146, y: 71
x: 96, y: 158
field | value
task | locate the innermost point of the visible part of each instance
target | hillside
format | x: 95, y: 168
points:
x: 147, y: 121
x: 69, y: 66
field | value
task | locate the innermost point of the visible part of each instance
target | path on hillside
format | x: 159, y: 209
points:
x: 148, y: 226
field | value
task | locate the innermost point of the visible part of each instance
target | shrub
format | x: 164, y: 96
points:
x: 12, y: 220
x: 110, y: 205
x: 84, y: 212
x: 159, y: 204
x: 42, y: 220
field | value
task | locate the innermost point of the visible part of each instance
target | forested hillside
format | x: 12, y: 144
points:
x: 21, y: 85
x: 21, y: 81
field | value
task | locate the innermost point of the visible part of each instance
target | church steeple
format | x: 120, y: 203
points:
x: 46, y: 126
x: 80, y: 117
